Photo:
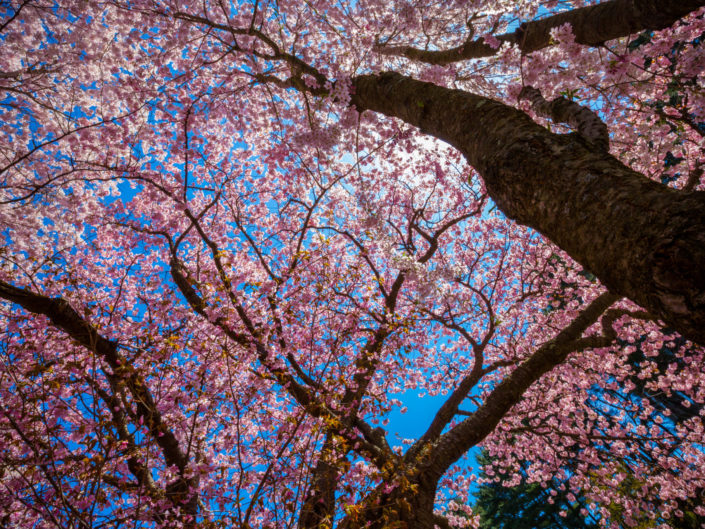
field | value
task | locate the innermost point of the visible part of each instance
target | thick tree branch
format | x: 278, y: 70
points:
x: 446, y: 412
x: 470, y: 49
x: 138, y: 469
x: 185, y: 287
x: 562, y: 110
x: 456, y: 442
x: 694, y: 176
x: 592, y: 26
x: 63, y: 316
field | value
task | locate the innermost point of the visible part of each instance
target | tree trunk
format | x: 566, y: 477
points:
x: 319, y: 507
x: 642, y: 239
x: 408, y: 506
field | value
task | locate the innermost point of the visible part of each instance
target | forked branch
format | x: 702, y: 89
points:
x: 562, y: 110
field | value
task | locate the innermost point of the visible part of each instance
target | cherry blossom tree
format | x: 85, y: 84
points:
x: 235, y: 235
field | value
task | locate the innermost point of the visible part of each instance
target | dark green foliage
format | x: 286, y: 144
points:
x: 670, y: 404
x: 641, y: 39
x: 526, y: 506
x: 690, y: 520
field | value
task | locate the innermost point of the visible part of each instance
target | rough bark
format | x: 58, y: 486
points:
x: 592, y: 26
x: 319, y: 506
x: 643, y: 240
